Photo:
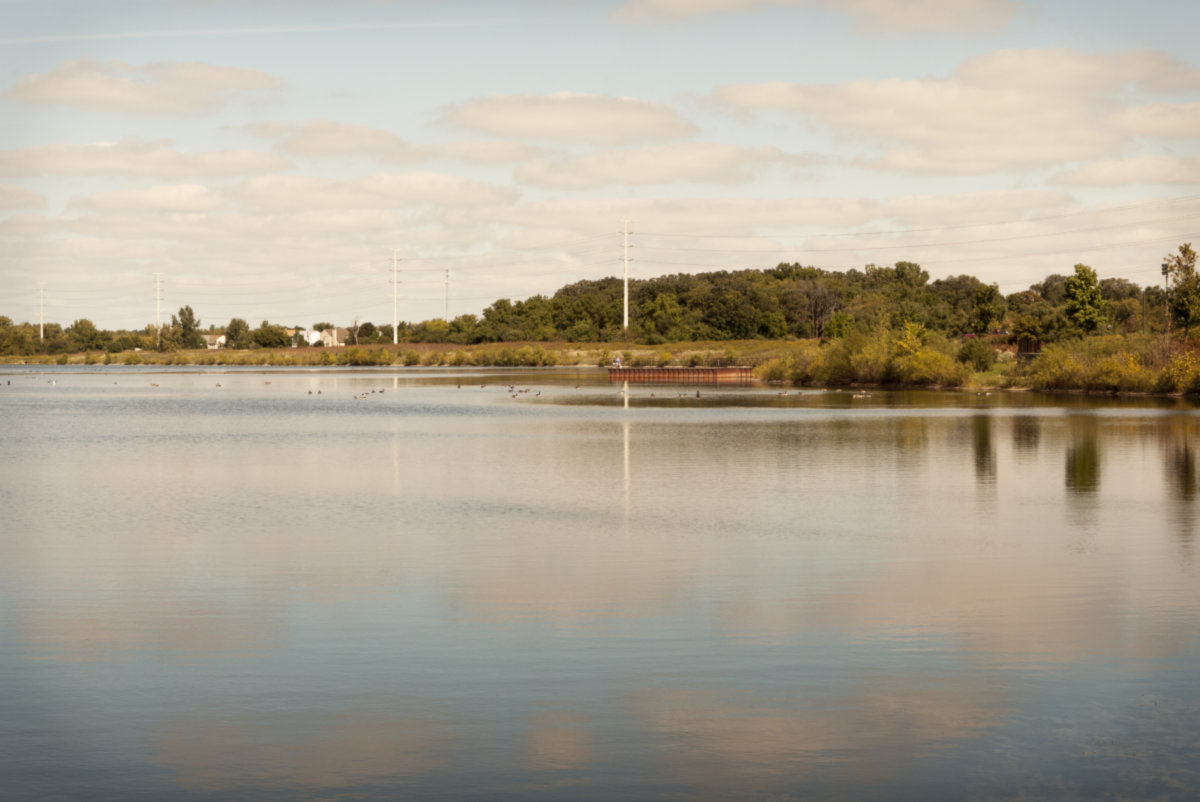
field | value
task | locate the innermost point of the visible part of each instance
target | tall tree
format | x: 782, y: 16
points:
x: 237, y: 333
x: 189, y: 328
x: 988, y: 308
x: 84, y: 335
x: 1185, y: 286
x: 1084, y: 299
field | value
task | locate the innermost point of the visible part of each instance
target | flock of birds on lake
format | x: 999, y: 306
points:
x: 516, y: 392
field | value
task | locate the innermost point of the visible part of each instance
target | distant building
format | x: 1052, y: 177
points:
x: 330, y: 338
x: 214, y: 341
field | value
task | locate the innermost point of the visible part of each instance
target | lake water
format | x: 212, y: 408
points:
x: 407, y: 583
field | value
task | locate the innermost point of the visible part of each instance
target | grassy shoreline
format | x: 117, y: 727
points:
x: 1098, y: 365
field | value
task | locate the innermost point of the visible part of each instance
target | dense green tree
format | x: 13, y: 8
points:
x: 463, y: 330
x: 237, y: 334
x: 85, y: 336
x: 189, y: 328
x: 1053, y: 288
x: 431, y: 331
x: 270, y: 336
x: 1033, y: 317
x: 987, y: 308
x: 1185, y: 286
x: 1119, y: 289
x: 1084, y: 302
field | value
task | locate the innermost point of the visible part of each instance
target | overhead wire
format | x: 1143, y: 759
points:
x: 572, y: 260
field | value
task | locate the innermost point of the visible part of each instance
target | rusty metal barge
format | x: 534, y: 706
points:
x: 681, y: 375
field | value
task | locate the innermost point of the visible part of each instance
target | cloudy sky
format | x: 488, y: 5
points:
x: 268, y: 159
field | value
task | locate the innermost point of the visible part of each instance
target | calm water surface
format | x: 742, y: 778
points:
x: 403, y: 584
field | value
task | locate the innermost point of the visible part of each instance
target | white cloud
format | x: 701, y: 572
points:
x: 18, y: 198
x: 26, y: 226
x: 330, y: 138
x: 710, y: 162
x: 870, y: 16
x: 1004, y: 110
x: 567, y: 117
x: 1064, y: 70
x: 153, y: 89
x: 176, y: 198
x: 134, y: 157
x: 1167, y: 120
x: 378, y: 191
x: 1133, y: 170
x: 327, y: 138
x: 482, y: 152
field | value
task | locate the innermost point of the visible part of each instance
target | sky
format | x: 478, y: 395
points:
x: 286, y: 160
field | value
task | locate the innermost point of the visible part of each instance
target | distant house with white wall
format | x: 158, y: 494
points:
x: 214, y: 341
x: 334, y: 337
x: 330, y: 338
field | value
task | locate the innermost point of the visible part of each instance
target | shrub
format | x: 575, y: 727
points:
x: 1120, y: 372
x: 832, y: 365
x: 978, y: 354
x: 1179, y: 374
x: 1056, y: 369
x: 930, y: 366
x: 871, y: 361
x: 776, y: 370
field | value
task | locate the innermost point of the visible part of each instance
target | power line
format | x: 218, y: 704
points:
x: 915, y: 245
x: 1040, y: 218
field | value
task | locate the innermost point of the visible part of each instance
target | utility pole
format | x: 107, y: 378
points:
x: 158, y: 310
x: 395, y: 299
x: 41, y: 311
x: 1166, y: 271
x: 625, y: 258
x: 447, y: 312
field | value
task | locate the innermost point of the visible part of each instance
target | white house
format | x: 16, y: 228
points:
x: 334, y: 337
x: 214, y: 341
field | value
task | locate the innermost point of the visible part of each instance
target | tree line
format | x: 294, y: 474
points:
x: 788, y: 301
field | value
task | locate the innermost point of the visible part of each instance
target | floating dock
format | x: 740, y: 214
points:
x: 726, y: 375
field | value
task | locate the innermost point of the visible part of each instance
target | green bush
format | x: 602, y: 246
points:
x: 871, y: 360
x: 929, y: 366
x: 832, y: 365
x: 1056, y: 369
x: 1180, y: 374
x: 978, y: 354
x: 776, y: 370
x: 1120, y: 372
